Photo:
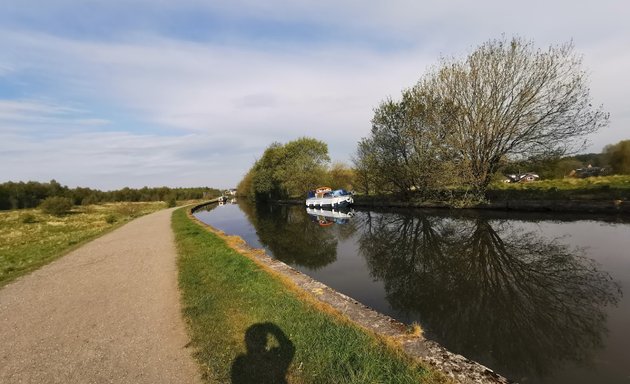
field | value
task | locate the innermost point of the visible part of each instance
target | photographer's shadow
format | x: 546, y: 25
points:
x: 269, y: 354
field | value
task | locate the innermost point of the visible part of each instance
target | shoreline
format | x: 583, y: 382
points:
x: 614, y: 207
x: 458, y: 367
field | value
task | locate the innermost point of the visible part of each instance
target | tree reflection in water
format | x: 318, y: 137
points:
x: 291, y: 236
x: 490, y: 290
x: 507, y: 297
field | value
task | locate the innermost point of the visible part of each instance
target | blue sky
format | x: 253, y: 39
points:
x: 114, y: 93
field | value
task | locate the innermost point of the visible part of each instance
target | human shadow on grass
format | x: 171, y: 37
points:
x: 269, y: 354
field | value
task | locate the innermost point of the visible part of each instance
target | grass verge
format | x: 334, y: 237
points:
x: 615, y: 187
x: 30, y: 238
x: 600, y: 188
x: 227, y: 298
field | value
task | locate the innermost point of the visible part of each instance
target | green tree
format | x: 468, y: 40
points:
x: 364, y: 161
x: 171, y: 201
x: 594, y: 159
x: 56, y: 205
x: 15, y: 195
x: 341, y: 176
x: 56, y: 189
x: 563, y: 167
x: 618, y: 156
x: 405, y: 150
x: 246, y: 186
x: 547, y: 168
x: 391, y: 147
x: 287, y: 170
x: 304, y: 166
x: 266, y: 184
x: 5, y: 196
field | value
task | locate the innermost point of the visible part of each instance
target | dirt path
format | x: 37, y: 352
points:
x: 108, y: 312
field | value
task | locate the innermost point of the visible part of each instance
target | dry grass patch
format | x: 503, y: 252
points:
x: 30, y: 238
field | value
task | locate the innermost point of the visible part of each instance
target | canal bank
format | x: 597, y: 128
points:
x: 534, y: 296
x: 522, y: 205
x: 247, y: 325
x: 404, y: 338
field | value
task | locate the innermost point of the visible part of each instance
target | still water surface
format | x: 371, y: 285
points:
x: 539, y: 298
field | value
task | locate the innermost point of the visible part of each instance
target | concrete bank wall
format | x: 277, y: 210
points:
x: 205, y: 203
x: 461, y: 369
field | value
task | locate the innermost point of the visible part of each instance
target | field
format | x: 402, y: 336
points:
x: 616, y: 187
x: 30, y: 238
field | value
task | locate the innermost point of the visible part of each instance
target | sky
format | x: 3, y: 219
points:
x: 111, y: 93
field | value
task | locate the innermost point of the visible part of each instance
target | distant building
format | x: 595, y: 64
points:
x: 521, y: 178
x: 230, y: 192
x: 588, y: 172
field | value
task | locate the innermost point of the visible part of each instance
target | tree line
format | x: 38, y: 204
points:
x: 505, y: 107
x: 614, y: 159
x: 17, y: 195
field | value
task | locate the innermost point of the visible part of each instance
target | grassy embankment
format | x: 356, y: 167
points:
x: 30, y: 238
x: 616, y: 187
x: 601, y: 188
x: 225, y: 294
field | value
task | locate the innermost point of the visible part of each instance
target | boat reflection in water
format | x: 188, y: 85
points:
x: 326, y: 217
x: 499, y: 291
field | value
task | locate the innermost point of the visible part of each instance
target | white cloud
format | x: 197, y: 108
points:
x: 111, y: 160
x: 256, y: 97
x: 223, y: 102
x: 18, y: 108
x: 43, y: 118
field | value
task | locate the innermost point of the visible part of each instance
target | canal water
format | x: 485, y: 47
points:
x: 539, y: 298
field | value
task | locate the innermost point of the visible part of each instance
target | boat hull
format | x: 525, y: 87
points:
x: 333, y: 202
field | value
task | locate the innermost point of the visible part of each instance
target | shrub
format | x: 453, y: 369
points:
x: 56, y: 205
x: 130, y: 210
x: 110, y: 219
x: 171, y: 202
x: 28, y: 218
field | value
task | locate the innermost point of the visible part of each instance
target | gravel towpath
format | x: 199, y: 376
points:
x: 107, y: 312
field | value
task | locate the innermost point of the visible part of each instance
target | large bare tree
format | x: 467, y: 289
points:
x: 509, y: 99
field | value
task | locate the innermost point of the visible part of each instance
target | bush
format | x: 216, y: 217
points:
x: 28, y: 218
x: 618, y: 156
x: 171, y: 202
x: 130, y: 210
x: 56, y: 205
x: 110, y: 219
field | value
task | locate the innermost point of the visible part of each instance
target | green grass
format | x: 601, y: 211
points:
x: 225, y: 293
x: 616, y: 187
x: 615, y: 181
x: 30, y: 238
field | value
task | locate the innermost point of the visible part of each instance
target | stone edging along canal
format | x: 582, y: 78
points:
x: 458, y: 367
